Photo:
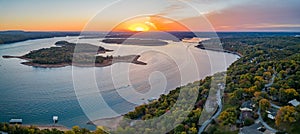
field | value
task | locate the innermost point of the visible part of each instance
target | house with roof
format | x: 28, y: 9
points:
x: 15, y: 121
x: 246, y: 112
x: 247, y: 106
x: 294, y: 102
x: 272, y: 112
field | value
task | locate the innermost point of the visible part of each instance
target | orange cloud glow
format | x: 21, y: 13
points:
x: 150, y: 23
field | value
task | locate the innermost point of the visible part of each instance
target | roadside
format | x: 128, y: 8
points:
x: 220, y: 107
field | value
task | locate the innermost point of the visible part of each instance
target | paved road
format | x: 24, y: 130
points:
x: 275, y: 106
x: 264, y: 123
x: 272, y: 81
x: 220, y: 106
x: 207, y: 122
x: 251, y: 129
x: 3, y: 132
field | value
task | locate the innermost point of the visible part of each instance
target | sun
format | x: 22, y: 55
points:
x: 138, y: 27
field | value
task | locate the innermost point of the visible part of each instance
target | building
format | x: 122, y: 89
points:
x: 247, y: 106
x: 294, y: 102
x: 15, y: 121
x: 246, y: 113
x: 272, y: 112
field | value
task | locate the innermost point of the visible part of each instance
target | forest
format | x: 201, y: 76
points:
x: 18, y: 129
x: 63, y: 53
x: 268, y: 73
x: 16, y: 36
x: 263, y: 58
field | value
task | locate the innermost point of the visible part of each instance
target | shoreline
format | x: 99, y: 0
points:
x: 34, y: 35
x: 125, y: 59
x: 117, y: 119
x: 219, y: 50
x: 50, y: 127
x: 112, y: 122
x: 225, y: 51
x: 42, y: 127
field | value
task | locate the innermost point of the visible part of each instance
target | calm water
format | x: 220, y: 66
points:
x: 78, y: 95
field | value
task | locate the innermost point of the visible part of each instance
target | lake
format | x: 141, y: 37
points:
x: 80, y: 94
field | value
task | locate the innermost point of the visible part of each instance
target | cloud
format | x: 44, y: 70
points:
x: 189, y: 8
x: 275, y: 15
x: 171, y: 9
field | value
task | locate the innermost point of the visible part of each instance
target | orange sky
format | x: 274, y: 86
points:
x: 75, y: 15
x: 151, y: 23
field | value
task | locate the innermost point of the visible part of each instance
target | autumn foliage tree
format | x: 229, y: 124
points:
x: 264, y: 104
x: 291, y: 93
x: 285, y: 116
x: 228, y: 116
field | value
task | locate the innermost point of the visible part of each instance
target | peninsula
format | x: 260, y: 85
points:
x: 132, y: 41
x: 65, y: 54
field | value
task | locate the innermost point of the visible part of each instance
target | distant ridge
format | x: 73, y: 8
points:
x: 13, y: 36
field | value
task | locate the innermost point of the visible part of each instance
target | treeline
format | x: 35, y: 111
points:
x: 19, y: 129
x: 85, y: 53
x: 263, y: 59
x: 268, y: 72
x: 16, y: 36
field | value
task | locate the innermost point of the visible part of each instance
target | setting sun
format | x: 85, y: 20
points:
x: 150, y: 24
x: 139, y: 27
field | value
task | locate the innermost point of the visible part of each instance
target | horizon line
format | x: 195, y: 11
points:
x: 217, y: 31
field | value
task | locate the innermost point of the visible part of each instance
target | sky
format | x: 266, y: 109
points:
x: 147, y: 15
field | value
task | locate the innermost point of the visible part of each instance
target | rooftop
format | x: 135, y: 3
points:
x: 12, y: 121
x: 247, y: 106
x: 294, y: 102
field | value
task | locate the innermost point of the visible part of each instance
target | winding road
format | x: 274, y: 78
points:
x: 273, y: 105
x: 220, y: 106
x: 264, y: 123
